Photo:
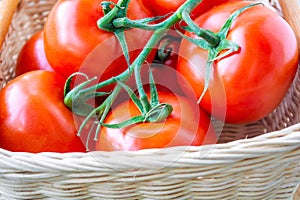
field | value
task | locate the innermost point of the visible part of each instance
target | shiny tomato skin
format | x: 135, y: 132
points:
x: 163, y: 7
x: 253, y: 80
x: 73, y: 41
x: 187, y: 125
x: 33, y: 117
x: 32, y: 55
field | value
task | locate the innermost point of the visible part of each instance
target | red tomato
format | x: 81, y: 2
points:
x: 163, y: 7
x: 164, y: 67
x: 256, y: 78
x: 33, y: 117
x: 32, y: 56
x: 187, y: 125
x: 73, y: 41
x: 170, y: 43
x: 165, y: 78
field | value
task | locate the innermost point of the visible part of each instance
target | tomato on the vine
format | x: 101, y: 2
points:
x: 33, y: 117
x: 254, y: 79
x: 187, y: 125
x: 163, y: 7
x: 164, y: 65
x: 73, y: 41
x: 32, y: 55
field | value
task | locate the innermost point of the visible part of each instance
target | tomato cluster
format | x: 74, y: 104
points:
x: 243, y: 86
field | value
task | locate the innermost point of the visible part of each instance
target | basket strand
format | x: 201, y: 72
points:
x: 291, y: 12
x: 7, y: 10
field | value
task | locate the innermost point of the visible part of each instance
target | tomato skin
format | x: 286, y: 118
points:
x: 164, y: 69
x: 32, y: 55
x: 165, y: 78
x: 256, y: 78
x: 33, y: 117
x: 180, y: 128
x: 73, y: 41
x: 163, y: 7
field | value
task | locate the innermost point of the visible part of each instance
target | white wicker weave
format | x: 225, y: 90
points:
x: 253, y: 161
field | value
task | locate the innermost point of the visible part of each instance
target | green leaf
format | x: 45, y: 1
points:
x: 159, y: 113
x: 132, y: 95
x: 122, y: 40
x: 226, y: 27
x: 67, y: 87
x: 208, y: 71
x: 153, y: 90
x: 91, y: 115
x: 129, y: 122
x: 225, y: 44
x: 211, y: 38
x: 200, y: 42
x: 75, y: 97
x: 142, y: 94
x: 148, y: 19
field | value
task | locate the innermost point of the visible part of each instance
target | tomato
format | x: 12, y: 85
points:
x: 254, y: 79
x: 187, y: 125
x: 163, y: 7
x: 73, y: 41
x: 32, y: 55
x: 33, y: 117
x: 164, y: 66
x: 165, y: 78
x: 169, y: 44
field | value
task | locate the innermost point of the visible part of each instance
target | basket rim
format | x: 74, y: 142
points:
x: 279, y: 146
x: 291, y: 134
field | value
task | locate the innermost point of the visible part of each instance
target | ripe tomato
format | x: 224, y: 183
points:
x: 187, y: 125
x: 163, y: 7
x: 164, y: 67
x: 73, y: 41
x: 32, y: 55
x: 256, y: 77
x: 33, y: 117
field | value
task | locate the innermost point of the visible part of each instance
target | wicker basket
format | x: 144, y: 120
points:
x: 253, y: 161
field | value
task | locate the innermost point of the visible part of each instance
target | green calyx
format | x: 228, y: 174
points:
x: 214, y: 43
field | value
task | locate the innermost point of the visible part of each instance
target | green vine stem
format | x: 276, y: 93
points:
x: 160, y: 29
x: 116, y: 21
x: 106, y: 22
